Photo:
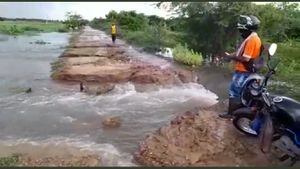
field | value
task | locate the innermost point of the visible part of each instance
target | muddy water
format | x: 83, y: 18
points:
x: 57, y: 114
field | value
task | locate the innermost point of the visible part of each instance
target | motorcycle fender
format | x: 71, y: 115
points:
x: 253, y: 77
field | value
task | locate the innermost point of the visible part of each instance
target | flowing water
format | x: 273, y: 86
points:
x: 59, y: 114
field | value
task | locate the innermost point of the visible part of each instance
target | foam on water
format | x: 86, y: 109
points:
x: 170, y: 94
x: 110, y: 155
x: 67, y: 119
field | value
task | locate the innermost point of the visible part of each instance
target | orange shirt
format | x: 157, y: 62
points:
x: 251, y: 50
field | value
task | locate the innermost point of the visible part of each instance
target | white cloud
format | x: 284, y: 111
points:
x: 89, y: 10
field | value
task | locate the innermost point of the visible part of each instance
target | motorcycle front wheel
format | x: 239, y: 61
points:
x: 242, y: 121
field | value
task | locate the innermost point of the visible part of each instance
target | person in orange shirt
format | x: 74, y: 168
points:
x: 244, y: 57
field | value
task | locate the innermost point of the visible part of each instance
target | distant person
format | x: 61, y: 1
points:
x: 244, y: 58
x: 113, y: 32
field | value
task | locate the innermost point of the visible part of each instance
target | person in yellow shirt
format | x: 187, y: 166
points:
x: 113, y: 32
x: 244, y: 57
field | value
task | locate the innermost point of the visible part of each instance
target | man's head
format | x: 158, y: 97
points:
x: 113, y: 24
x: 247, y: 24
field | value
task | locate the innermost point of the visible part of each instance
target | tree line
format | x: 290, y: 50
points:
x: 28, y: 19
x: 211, y: 27
x: 207, y: 27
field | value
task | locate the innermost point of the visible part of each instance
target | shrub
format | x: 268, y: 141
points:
x: 12, y: 160
x: 63, y: 29
x: 29, y: 28
x: 184, y: 55
x: 14, y: 30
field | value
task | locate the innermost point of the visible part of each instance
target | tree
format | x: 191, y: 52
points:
x: 211, y: 26
x: 74, y: 21
x: 112, y: 15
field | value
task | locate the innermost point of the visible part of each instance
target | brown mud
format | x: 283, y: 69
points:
x: 201, y: 138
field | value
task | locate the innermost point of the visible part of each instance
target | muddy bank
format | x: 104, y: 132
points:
x: 94, y: 60
x: 50, y: 155
x: 200, y: 138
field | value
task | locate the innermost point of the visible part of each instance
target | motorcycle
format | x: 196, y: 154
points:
x: 274, y: 119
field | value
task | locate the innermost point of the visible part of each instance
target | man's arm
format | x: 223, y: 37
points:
x: 237, y: 58
x: 246, y: 56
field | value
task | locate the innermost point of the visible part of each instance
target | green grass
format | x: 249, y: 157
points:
x: 289, y: 54
x: 288, y: 69
x: 29, y: 27
x: 186, y: 56
x: 9, y: 161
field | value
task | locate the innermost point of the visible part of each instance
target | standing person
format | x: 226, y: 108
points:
x: 248, y: 52
x: 113, y: 32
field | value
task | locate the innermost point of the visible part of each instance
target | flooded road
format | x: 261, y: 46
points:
x: 58, y: 114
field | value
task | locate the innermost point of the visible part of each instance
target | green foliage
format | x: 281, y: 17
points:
x: 149, y: 32
x: 27, y: 27
x: 183, y: 55
x: 128, y: 20
x: 13, y: 30
x: 74, y: 21
x: 211, y: 27
x: 9, y: 161
x: 289, y: 67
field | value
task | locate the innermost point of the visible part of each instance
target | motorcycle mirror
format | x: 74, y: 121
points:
x: 272, y: 49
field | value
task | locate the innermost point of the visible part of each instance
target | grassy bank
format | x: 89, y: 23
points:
x: 186, y: 56
x: 10, y: 161
x: 288, y: 70
x: 29, y: 27
x: 151, y: 37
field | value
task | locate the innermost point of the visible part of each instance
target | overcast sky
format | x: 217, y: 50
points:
x: 89, y: 10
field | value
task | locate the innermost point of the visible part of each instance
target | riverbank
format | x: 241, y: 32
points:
x: 26, y: 154
x: 201, y: 138
x: 30, y: 27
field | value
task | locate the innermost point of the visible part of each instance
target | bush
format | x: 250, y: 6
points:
x: 29, y: 28
x: 63, y: 29
x: 14, y: 30
x: 9, y: 161
x: 141, y: 38
x: 184, y: 55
